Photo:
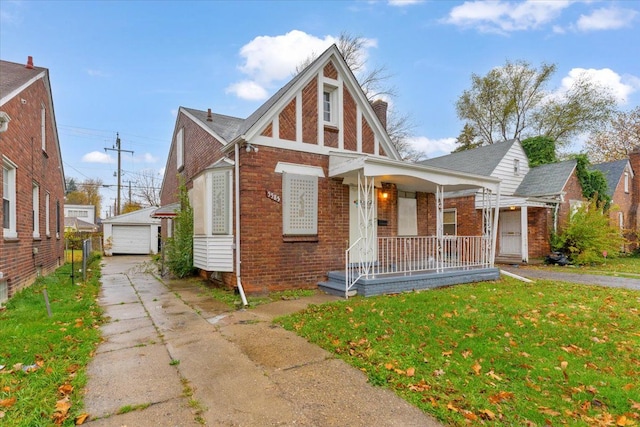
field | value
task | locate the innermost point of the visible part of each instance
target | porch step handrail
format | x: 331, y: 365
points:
x: 353, y: 271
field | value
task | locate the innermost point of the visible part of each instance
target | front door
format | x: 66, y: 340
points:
x: 510, y: 233
x: 362, y: 224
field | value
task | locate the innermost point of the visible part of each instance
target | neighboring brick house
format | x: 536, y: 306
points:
x: 280, y: 196
x: 623, y: 183
x: 32, y: 239
x: 538, y: 200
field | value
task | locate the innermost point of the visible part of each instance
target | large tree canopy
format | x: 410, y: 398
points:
x: 617, y: 139
x: 512, y: 101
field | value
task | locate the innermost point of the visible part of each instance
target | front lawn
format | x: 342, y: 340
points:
x: 503, y: 353
x: 43, y: 359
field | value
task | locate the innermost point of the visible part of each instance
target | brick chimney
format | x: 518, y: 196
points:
x: 380, y: 108
x: 209, y: 116
x: 29, y: 65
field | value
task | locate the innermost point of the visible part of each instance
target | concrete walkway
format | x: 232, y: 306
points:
x: 174, y: 357
x: 564, y: 276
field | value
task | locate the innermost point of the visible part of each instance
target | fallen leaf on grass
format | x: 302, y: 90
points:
x: 62, y: 411
x: 548, y: 411
x: 476, y: 367
x: 627, y: 387
x: 8, y: 402
x: 493, y: 375
x: 622, y: 421
x: 65, y: 389
x: 411, y: 372
x: 487, y: 414
x: 500, y: 397
x: 80, y: 419
x: 469, y: 415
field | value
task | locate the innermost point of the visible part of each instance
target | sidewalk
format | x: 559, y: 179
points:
x: 173, y: 357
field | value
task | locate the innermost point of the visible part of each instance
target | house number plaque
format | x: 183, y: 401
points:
x: 273, y: 196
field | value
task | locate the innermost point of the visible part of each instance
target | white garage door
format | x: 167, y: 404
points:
x: 130, y: 239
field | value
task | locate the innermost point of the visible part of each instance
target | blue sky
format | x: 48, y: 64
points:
x: 127, y: 66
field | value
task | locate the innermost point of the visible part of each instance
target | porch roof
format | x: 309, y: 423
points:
x: 408, y: 176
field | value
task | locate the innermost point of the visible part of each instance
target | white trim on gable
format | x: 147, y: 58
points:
x: 16, y: 91
x: 297, y: 169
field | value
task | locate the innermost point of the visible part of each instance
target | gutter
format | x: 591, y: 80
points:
x: 237, y: 200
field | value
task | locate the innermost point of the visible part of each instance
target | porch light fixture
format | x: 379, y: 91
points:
x: 385, y: 195
x: 251, y: 147
x: 512, y: 208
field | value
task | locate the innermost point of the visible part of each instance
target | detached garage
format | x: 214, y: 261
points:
x: 134, y: 233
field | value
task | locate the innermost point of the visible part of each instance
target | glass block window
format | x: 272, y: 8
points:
x: 300, y: 204
x: 220, y: 202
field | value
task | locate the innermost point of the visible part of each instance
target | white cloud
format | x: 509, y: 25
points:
x: 621, y: 86
x: 268, y: 60
x: 97, y: 157
x: 505, y: 16
x: 433, y: 147
x: 249, y: 90
x: 149, y: 158
x: 606, y: 19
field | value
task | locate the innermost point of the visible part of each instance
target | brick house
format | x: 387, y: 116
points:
x: 538, y: 200
x: 32, y: 240
x: 624, y: 190
x: 310, y: 189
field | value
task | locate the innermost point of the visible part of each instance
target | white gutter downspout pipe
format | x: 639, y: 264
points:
x: 237, y: 188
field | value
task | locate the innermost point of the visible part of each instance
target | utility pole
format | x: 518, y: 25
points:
x: 119, y: 150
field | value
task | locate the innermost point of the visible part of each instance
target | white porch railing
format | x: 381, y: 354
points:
x: 408, y: 255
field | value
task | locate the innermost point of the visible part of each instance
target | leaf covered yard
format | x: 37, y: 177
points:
x: 494, y: 353
x: 42, y: 358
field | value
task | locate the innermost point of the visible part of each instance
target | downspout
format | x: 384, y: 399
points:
x: 494, y: 238
x: 237, y: 198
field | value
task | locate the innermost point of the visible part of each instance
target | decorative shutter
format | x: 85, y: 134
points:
x: 300, y: 204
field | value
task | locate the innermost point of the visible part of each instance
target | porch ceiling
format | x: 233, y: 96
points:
x: 408, y: 176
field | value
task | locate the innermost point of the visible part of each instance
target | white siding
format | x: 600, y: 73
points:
x: 213, y: 253
x: 504, y: 170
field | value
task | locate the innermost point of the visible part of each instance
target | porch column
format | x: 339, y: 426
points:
x: 439, y: 228
x: 524, y: 234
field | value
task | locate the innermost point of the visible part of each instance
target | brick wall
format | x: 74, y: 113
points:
x: 22, y: 145
x: 270, y: 262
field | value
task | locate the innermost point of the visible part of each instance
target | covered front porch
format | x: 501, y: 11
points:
x: 397, y: 263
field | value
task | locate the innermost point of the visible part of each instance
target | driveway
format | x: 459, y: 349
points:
x: 174, y: 357
x: 554, y: 273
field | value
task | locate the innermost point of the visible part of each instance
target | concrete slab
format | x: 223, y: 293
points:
x: 130, y: 376
x: 172, y: 413
x: 122, y: 326
x: 137, y: 337
x: 124, y: 311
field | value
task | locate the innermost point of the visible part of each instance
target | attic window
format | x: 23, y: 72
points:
x: 516, y: 167
x: 329, y: 105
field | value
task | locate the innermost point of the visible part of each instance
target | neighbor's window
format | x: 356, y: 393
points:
x: 621, y: 220
x: 516, y: 167
x: 43, y: 126
x: 449, y: 222
x: 58, y: 219
x: 180, y: 149
x: 36, y: 209
x: 626, y: 182
x: 47, y: 228
x: 9, y: 199
x: 299, y: 204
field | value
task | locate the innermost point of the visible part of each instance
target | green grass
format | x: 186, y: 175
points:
x: 60, y: 346
x: 503, y: 353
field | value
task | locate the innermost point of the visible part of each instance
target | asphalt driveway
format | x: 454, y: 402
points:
x: 560, y: 274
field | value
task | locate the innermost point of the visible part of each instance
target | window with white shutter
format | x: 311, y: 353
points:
x: 300, y: 204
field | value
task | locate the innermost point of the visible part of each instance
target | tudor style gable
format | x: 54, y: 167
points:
x: 322, y: 110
